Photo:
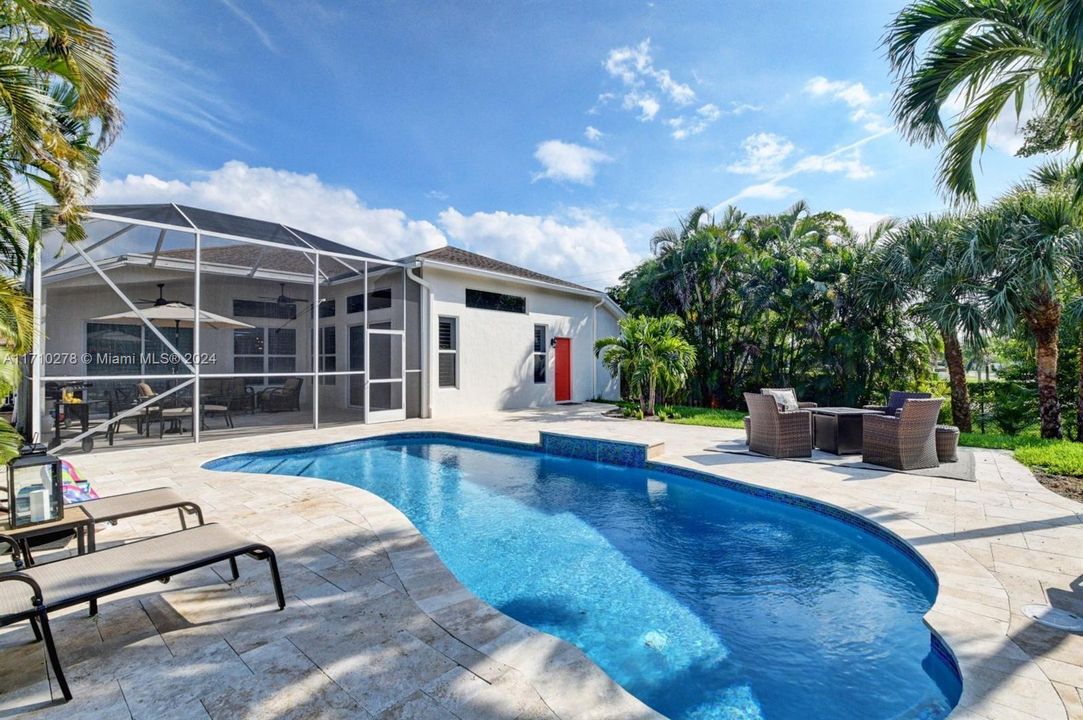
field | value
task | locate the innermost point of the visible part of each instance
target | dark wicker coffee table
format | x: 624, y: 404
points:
x: 838, y: 430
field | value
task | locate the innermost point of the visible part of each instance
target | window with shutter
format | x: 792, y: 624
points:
x: 448, y: 350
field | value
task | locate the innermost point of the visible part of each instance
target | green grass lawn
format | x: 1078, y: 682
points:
x: 688, y: 415
x: 1054, y: 457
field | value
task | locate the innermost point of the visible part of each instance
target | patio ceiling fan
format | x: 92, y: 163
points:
x: 160, y: 300
x: 283, y: 298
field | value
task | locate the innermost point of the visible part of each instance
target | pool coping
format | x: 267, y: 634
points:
x: 643, y: 455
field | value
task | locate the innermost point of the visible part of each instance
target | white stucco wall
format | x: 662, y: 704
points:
x: 496, y: 364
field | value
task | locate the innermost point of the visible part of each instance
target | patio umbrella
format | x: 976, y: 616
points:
x: 176, y: 313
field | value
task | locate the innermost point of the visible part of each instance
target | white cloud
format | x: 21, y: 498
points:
x: 855, y: 96
x: 568, y: 161
x: 849, y: 163
x: 579, y: 246
x: 764, y: 154
x: 437, y: 195
x: 302, y: 201
x: 593, y: 134
x: 647, y: 104
x: 634, y: 66
x: 694, y: 125
x: 767, y: 191
x: 263, y: 35
x: 862, y: 220
x: 761, y: 151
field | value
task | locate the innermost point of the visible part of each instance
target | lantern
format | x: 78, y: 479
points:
x: 35, y: 491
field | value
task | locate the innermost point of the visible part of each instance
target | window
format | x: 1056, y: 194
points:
x: 541, y: 356
x: 378, y: 300
x: 327, y: 308
x: 265, y: 350
x: 327, y: 354
x: 485, y: 300
x: 449, y: 352
x: 260, y: 309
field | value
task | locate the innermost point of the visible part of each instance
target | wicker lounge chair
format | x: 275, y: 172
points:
x: 767, y: 391
x: 776, y: 433
x: 896, y: 399
x: 286, y: 396
x: 31, y: 593
x: 906, y: 441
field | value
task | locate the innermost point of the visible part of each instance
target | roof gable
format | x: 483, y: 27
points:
x: 465, y: 258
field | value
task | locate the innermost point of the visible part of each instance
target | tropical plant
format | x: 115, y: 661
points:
x: 979, y: 59
x: 650, y: 356
x: 1024, y: 246
x: 58, y: 111
x: 923, y: 263
x: 776, y: 301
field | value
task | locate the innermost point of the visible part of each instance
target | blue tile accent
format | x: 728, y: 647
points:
x: 611, y: 452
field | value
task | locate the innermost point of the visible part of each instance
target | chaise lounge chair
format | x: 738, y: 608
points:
x: 31, y: 593
x: 777, y: 433
x: 903, y: 442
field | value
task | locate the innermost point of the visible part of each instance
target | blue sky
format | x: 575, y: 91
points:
x: 553, y: 135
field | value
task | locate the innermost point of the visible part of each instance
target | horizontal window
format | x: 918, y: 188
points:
x: 378, y: 300
x: 485, y: 300
x: 327, y: 308
x: 262, y: 309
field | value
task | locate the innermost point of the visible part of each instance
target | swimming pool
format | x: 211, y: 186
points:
x: 702, y: 600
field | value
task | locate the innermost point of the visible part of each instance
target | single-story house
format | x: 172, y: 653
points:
x: 273, y: 327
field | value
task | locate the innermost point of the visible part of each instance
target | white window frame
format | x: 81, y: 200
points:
x: 544, y: 353
x: 454, y: 351
x: 326, y: 352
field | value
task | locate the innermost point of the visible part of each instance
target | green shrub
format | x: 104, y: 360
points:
x: 1057, y: 457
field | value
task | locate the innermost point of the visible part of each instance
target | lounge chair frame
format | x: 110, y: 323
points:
x: 39, y: 614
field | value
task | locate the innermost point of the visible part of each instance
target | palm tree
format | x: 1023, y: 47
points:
x: 58, y: 83
x: 58, y: 111
x: 650, y: 354
x: 1025, y: 245
x: 1064, y: 177
x: 924, y: 263
x: 985, y: 55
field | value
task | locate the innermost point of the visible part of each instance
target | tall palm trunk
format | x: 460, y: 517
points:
x: 1079, y: 398
x: 1044, y: 322
x: 960, y: 394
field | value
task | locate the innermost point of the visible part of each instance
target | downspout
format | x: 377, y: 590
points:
x: 593, y: 340
x: 426, y: 349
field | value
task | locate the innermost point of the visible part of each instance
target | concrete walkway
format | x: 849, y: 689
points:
x: 375, y: 626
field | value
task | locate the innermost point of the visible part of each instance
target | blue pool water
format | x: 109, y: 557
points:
x: 703, y: 601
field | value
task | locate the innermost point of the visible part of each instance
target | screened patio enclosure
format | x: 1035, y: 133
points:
x: 171, y: 323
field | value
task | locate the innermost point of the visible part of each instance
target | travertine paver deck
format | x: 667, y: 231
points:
x: 375, y: 626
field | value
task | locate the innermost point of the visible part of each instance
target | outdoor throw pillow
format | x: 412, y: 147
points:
x: 786, y: 399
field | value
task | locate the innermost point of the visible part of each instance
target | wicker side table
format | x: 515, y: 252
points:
x: 947, y: 443
x: 748, y: 429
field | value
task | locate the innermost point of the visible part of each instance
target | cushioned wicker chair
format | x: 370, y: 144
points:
x: 906, y: 441
x: 776, y: 433
x: 896, y: 399
x: 32, y: 593
x: 765, y: 391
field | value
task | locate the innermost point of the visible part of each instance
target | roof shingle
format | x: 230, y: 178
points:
x: 465, y: 258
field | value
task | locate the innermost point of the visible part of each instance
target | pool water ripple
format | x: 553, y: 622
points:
x: 701, y: 601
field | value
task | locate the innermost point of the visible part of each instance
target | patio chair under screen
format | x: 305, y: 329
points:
x: 286, y: 396
x: 906, y: 441
x: 32, y: 593
x: 777, y: 433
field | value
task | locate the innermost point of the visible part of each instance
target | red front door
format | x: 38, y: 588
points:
x: 563, y: 389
